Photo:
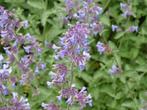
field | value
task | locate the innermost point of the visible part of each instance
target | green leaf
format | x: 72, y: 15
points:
x: 39, y: 4
x: 44, y: 17
x: 119, y: 35
x: 105, y: 20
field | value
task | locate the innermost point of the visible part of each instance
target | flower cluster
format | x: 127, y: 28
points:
x: 5, y: 71
x: 73, y: 95
x: 13, y: 42
x: 59, y: 76
x: 19, y: 103
x: 20, y: 50
x: 85, y: 11
x: 74, y: 45
x: 7, y: 25
x: 126, y: 10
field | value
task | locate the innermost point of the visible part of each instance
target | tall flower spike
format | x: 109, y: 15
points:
x: 74, y: 45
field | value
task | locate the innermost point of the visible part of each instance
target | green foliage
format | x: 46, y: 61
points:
x: 125, y: 91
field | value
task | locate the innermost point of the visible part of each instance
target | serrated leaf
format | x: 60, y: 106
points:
x: 39, y: 4
x: 119, y: 35
x: 44, y: 17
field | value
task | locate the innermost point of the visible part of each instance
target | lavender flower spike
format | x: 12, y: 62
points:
x: 74, y: 44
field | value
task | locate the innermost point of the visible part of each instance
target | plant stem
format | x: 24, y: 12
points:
x: 71, y: 73
x: 106, y: 6
x: 71, y: 79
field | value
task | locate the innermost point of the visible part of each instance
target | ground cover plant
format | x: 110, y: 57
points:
x: 73, y: 54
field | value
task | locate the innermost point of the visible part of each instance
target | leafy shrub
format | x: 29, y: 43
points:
x: 114, y: 73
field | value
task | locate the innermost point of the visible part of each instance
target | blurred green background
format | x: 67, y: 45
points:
x: 126, y: 91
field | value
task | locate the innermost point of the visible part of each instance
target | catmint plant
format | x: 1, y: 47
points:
x: 74, y: 46
x: 20, y: 50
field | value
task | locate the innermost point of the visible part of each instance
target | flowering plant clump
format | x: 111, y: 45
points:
x: 73, y: 55
x: 20, y: 50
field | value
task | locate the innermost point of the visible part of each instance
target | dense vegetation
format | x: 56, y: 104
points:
x: 73, y: 54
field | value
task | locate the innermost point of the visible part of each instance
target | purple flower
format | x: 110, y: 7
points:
x: 28, y: 48
x: 114, y: 70
x: 126, y: 10
x: 73, y: 95
x: 25, y: 24
x: 19, y: 102
x: 133, y: 28
x: 115, y: 28
x: 74, y: 44
x: 8, y: 24
x: 50, y: 106
x: 36, y: 70
x: 24, y: 79
x: 87, y: 13
x: 101, y: 47
x: 42, y: 66
x: 5, y: 72
x: 89, y: 1
x: 1, y: 58
x: 25, y: 62
x: 123, y: 6
x: 5, y: 90
x: 83, y: 98
x: 4, y: 33
x: 30, y: 38
x: 59, y: 76
x: 81, y: 14
x: 69, y: 101
x: 69, y: 4
x: 97, y: 10
x: 69, y: 94
x: 96, y: 28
